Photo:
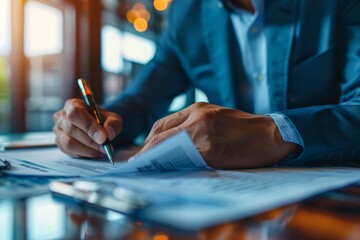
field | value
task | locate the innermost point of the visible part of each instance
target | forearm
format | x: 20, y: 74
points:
x: 330, y: 134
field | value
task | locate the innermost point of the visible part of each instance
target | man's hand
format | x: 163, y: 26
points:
x: 226, y: 138
x: 77, y: 132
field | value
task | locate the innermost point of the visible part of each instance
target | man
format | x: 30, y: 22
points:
x: 298, y: 61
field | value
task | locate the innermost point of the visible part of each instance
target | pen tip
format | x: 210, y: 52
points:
x: 109, y: 153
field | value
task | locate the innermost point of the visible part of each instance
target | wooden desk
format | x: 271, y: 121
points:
x: 335, y: 215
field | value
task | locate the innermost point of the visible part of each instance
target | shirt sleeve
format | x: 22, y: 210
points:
x: 287, y: 129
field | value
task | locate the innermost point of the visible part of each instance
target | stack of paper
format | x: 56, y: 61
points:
x: 181, y: 189
x: 184, y: 192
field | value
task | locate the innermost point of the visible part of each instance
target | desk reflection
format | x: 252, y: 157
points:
x: 335, y: 215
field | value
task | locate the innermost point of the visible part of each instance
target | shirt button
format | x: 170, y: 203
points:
x: 254, y: 29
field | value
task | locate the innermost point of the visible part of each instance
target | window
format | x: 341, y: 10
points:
x: 5, y: 47
x: 118, y: 50
x: 117, y: 46
x: 39, y: 224
x: 4, y: 27
x: 111, y: 49
x: 6, y: 219
x: 43, y: 29
x: 47, y: 44
x: 137, y: 49
x: 43, y: 46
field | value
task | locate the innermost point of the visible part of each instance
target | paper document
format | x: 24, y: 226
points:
x: 197, y: 199
x: 51, y: 162
x: 204, y: 197
x: 175, y: 153
x: 33, y: 169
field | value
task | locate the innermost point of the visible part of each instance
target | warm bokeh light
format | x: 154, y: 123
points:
x: 161, y: 5
x: 136, y: 15
x: 144, y: 14
x: 139, y: 6
x: 131, y: 15
x: 140, y: 24
x: 161, y: 237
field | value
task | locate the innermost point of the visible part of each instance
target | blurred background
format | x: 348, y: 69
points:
x: 45, y: 45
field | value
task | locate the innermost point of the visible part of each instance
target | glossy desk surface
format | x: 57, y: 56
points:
x: 334, y: 215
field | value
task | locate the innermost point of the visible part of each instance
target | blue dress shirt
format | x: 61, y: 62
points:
x: 252, y: 40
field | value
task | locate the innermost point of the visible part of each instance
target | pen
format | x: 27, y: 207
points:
x: 93, y: 110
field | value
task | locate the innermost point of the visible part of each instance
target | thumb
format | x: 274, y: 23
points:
x: 113, y: 124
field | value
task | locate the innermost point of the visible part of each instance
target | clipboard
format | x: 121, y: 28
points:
x: 27, y: 140
x: 194, y: 200
x: 103, y: 195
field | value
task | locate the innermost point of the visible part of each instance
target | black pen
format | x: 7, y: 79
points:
x: 93, y: 110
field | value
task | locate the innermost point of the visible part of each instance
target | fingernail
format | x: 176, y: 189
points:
x: 112, y: 133
x: 96, y: 137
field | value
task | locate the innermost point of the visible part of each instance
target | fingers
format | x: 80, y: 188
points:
x: 66, y: 133
x: 158, y: 139
x: 113, y: 124
x: 164, y: 128
x: 77, y: 114
x: 77, y: 132
x: 171, y: 125
x: 75, y: 148
x: 167, y: 123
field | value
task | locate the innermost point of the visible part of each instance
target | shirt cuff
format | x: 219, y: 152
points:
x: 287, y: 129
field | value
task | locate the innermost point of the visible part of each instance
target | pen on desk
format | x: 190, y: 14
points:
x: 90, y: 102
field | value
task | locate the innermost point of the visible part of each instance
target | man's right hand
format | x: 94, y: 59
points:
x: 77, y: 132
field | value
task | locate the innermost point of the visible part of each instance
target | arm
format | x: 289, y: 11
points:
x: 231, y: 139
x: 132, y: 113
x: 332, y: 133
x: 226, y: 138
x: 147, y: 98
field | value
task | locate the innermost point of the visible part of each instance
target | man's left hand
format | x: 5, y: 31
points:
x: 226, y: 138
